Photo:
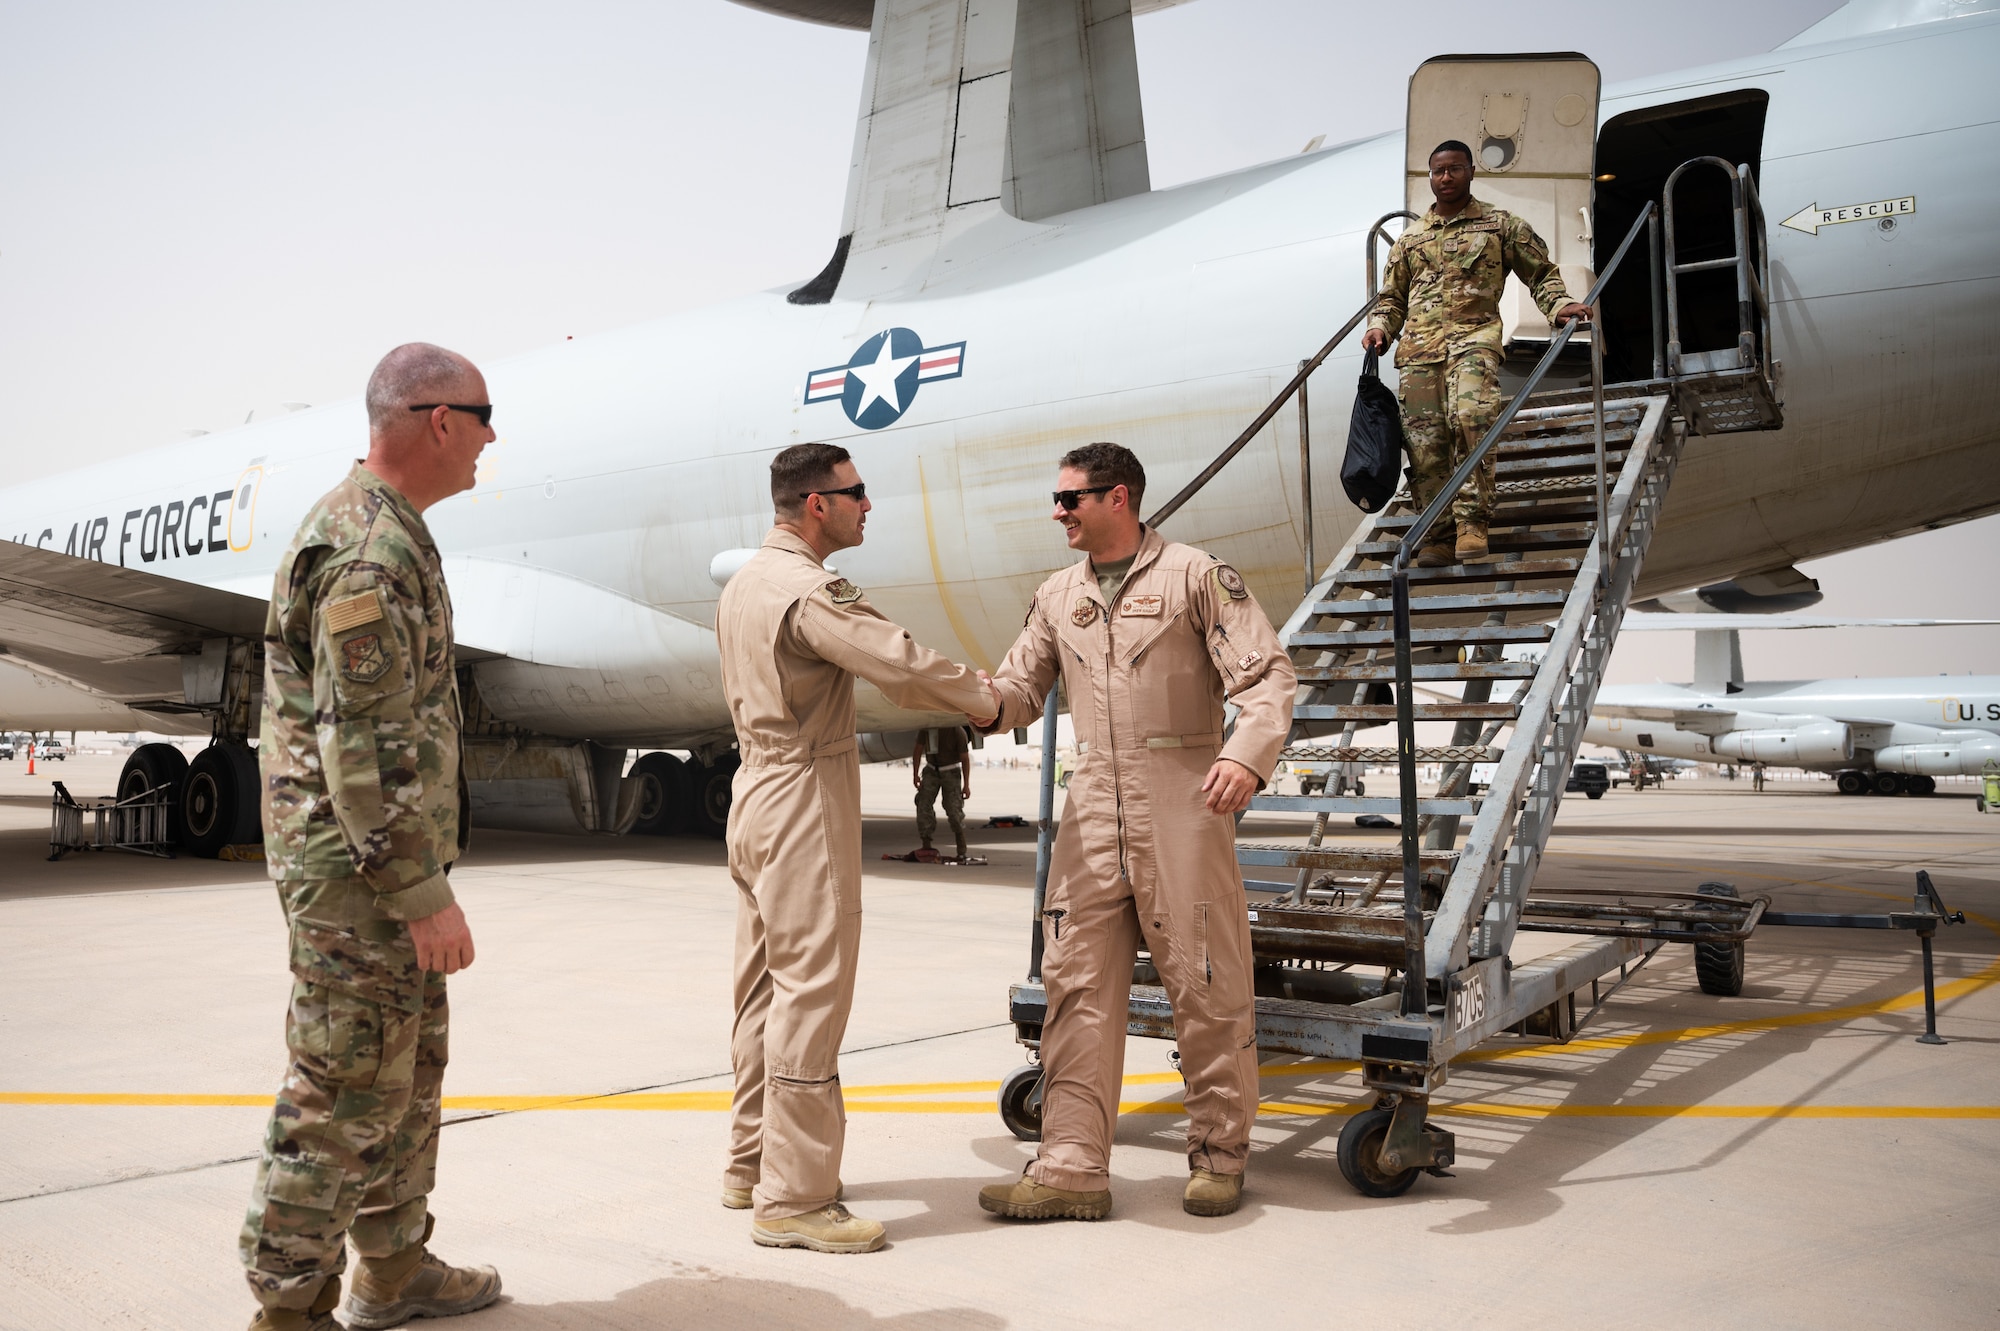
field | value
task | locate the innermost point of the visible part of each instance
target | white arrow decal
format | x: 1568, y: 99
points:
x: 1810, y: 220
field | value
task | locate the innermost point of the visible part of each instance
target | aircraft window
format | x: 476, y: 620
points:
x: 1496, y: 154
x: 243, y: 497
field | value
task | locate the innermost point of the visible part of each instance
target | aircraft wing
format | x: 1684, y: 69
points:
x: 1700, y: 720
x: 117, y: 632
x: 1644, y: 623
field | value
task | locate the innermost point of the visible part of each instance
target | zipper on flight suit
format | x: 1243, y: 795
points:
x: 1111, y: 740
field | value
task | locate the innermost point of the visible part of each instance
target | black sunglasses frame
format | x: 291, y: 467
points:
x: 857, y: 492
x: 1067, y: 500
x: 483, y: 410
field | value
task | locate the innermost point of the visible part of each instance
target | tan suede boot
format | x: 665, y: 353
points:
x: 1027, y: 1199
x: 1471, y: 548
x: 832, y: 1228
x: 1212, y: 1194
x: 319, y: 1317
x: 1435, y: 552
x: 389, y: 1291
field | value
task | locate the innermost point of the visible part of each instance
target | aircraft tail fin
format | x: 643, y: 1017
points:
x: 975, y: 110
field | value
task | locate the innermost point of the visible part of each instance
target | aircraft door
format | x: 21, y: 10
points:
x: 1531, y: 121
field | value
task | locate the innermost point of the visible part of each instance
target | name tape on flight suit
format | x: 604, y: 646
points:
x: 1142, y: 605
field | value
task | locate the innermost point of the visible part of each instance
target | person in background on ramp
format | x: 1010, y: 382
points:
x: 949, y: 773
x: 793, y: 637
x: 1441, y: 292
x: 1150, y: 638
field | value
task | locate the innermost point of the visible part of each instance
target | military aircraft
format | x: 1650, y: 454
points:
x: 1006, y: 285
x: 1888, y: 736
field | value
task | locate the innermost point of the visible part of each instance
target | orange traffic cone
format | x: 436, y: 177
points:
x: 31, y: 757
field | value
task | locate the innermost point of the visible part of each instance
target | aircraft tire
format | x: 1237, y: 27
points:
x: 662, y: 794
x: 1718, y: 966
x: 1851, y: 783
x: 219, y: 800
x: 150, y: 767
x: 1887, y: 783
x: 1923, y: 785
x: 709, y: 786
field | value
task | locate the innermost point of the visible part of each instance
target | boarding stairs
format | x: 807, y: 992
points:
x: 1397, y: 955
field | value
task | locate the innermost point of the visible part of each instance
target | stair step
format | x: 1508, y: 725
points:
x: 1520, y: 514
x: 1386, y: 637
x: 1387, y: 805
x: 1527, y: 542
x: 1535, y: 468
x: 1425, y: 711
x: 1357, y: 674
x: 1271, y: 856
x: 1443, y: 605
x: 1366, y: 934
x: 1351, y: 753
x: 1576, y: 441
x: 1512, y: 571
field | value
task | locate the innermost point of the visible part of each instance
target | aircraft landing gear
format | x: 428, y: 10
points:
x: 663, y: 782
x: 218, y: 803
x: 1887, y: 783
x: 709, y: 794
x: 1921, y: 785
x: 1851, y: 783
x: 150, y: 767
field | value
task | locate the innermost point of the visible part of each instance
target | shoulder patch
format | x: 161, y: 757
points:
x: 842, y: 592
x: 362, y: 658
x: 1231, y: 582
x: 348, y: 612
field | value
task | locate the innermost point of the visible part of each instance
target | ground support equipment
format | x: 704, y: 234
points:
x: 137, y: 823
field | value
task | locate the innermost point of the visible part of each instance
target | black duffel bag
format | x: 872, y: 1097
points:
x: 1374, y: 463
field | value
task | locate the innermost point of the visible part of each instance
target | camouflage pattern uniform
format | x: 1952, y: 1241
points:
x: 945, y: 756
x: 360, y: 758
x: 1441, y: 291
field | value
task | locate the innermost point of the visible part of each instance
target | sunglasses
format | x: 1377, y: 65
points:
x: 483, y: 410
x: 1067, y: 500
x: 855, y: 492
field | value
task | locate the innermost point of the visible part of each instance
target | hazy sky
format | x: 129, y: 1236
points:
x: 209, y: 208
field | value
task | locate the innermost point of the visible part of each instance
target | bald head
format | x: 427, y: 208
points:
x: 414, y: 373
x: 434, y: 454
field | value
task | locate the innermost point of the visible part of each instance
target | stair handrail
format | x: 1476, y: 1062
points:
x: 1242, y: 441
x: 1414, y: 981
x: 1751, y: 265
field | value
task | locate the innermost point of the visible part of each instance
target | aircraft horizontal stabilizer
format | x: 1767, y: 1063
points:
x: 1641, y: 623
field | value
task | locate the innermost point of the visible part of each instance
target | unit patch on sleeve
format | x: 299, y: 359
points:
x: 1085, y: 613
x: 353, y: 611
x: 362, y: 658
x: 1250, y: 658
x: 1142, y: 605
x: 842, y: 592
x: 1230, y: 581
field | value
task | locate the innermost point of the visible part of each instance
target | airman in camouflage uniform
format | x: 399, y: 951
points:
x: 359, y: 753
x: 1441, y: 291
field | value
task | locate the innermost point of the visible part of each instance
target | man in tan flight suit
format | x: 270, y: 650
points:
x: 1150, y: 638
x: 793, y: 637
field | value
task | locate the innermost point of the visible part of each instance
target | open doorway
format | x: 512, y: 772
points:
x: 1636, y: 152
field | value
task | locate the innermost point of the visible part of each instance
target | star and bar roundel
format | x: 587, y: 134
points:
x: 879, y: 381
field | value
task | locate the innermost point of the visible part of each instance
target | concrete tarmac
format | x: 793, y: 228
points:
x: 1789, y: 1158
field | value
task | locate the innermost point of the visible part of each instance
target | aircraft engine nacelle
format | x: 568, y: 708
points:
x: 1810, y: 745
x: 1966, y: 757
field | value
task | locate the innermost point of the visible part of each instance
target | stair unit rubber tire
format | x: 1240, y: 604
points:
x: 1719, y: 966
